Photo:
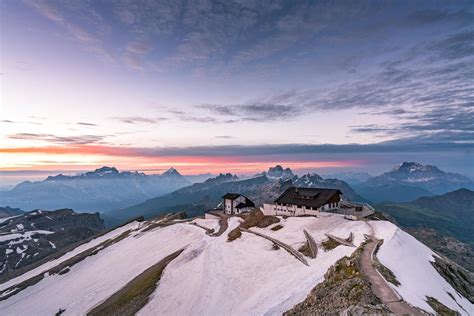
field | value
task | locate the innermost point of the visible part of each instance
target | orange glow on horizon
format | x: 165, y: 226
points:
x: 80, y: 158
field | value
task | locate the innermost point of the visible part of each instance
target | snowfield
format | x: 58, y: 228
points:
x: 410, y: 260
x: 246, y: 276
x: 213, y: 276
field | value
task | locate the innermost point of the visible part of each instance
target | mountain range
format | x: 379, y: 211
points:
x: 100, y: 190
x: 199, y: 197
x: 42, y: 252
x: 409, y: 181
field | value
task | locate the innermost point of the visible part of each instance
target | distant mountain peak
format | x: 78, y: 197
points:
x: 309, y: 179
x: 106, y: 170
x: 222, y: 177
x: 279, y: 172
x: 416, y: 172
x: 413, y: 167
x: 410, y: 180
x: 171, y: 172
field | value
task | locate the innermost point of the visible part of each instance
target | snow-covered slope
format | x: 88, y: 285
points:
x: 213, y: 276
x: 410, y: 261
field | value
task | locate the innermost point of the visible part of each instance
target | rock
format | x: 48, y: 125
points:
x: 344, y: 291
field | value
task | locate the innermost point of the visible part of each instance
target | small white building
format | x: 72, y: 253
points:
x: 304, y: 201
x: 234, y: 203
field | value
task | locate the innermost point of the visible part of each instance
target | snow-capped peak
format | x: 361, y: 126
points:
x: 106, y: 170
x: 279, y: 172
x: 410, y: 167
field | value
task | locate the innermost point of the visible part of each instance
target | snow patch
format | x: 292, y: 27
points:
x: 3, y: 220
x: 22, y: 236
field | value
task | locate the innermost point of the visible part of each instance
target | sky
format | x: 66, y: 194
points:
x: 217, y: 86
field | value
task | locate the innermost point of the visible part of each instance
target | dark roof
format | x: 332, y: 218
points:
x: 310, y: 197
x: 247, y: 203
x: 231, y: 196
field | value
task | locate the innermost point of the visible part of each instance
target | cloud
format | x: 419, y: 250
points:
x: 133, y: 62
x: 86, y: 124
x: 427, y: 89
x: 457, y: 46
x: 232, y: 36
x: 139, y: 119
x: 19, y: 122
x: 135, y: 52
x: 413, y: 78
x: 71, y: 140
x: 395, y: 147
x: 89, y: 41
x: 139, y: 48
x: 189, y: 117
x: 254, y: 112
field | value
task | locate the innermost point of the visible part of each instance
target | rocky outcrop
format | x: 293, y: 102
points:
x: 459, y: 278
x: 344, y: 290
x: 460, y: 252
x: 8, y: 211
x: 30, y: 237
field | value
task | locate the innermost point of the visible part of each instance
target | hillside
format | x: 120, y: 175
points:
x: 411, y: 180
x: 449, y: 215
x: 118, y: 273
x: 28, y: 238
x: 199, y: 197
x: 8, y: 211
x: 96, y: 191
x: 353, y: 178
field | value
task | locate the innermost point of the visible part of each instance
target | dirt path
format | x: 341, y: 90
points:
x: 380, y: 287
